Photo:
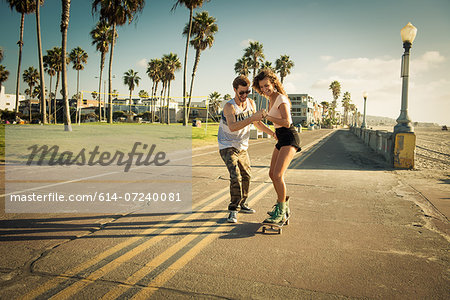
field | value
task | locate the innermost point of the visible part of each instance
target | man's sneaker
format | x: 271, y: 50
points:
x: 232, y: 217
x: 247, y: 210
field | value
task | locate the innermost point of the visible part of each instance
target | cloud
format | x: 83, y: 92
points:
x: 246, y: 43
x: 290, y: 88
x: 427, y: 61
x: 380, y: 76
x: 326, y: 57
x: 142, y: 63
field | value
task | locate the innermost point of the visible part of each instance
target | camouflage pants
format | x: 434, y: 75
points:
x: 238, y: 165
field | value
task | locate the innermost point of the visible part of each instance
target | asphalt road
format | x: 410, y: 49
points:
x: 356, y: 232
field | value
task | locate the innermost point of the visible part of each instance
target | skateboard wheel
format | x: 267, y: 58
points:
x: 264, y: 230
x: 279, y: 231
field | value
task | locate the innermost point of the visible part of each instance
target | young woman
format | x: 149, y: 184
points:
x: 267, y: 84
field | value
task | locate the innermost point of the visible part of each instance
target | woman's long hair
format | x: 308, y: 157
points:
x: 266, y: 73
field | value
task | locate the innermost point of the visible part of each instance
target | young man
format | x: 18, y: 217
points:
x: 233, y: 136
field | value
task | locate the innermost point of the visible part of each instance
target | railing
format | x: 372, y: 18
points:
x: 381, y: 141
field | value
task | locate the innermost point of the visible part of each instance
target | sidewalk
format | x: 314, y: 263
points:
x: 358, y: 230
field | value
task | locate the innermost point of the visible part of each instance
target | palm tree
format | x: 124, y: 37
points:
x: 54, y: 61
x: 143, y: 94
x: 49, y: 67
x: 283, y: 66
x: 335, y: 88
x: 172, y: 64
x: 242, y: 66
x: 154, y: 73
x: 41, y: 63
x: 267, y: 65
x: 64, y: 26
x: 163, y: 76
x: 325, y: 106
x: 78, y: 57
x: 117, y: 13
x: 214, y: 103
x: 31, y: 77
x: 23, y: 7
x: 131, y: 79
x: 256, y: 55
x: 203, y: 29
x: 1, y: 54
x: 102, y: 36
x: 227, y: 97
x: 191, y: 5
x: 346, y: 99
x: 3, y: 75
x: 352, y: 108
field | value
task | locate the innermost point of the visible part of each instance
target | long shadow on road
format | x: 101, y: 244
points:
x: 341, y: 151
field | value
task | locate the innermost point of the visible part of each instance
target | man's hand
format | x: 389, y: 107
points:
x: 258, y: 116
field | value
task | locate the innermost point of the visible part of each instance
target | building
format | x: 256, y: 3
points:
x: 304, y: 109
x: 8, y: 101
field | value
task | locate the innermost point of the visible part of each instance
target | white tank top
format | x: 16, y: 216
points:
x: 236, y: 139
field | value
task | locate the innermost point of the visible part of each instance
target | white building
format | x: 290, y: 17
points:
x: 8, y: 101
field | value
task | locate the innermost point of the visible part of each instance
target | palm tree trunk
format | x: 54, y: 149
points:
x: 194, y: 70
x: 185, y: 116
x: 161, y: 104
x: 168, y: 103
x: 130, y: 102
x: 22, y: 21
x: 110, y: 75
x: 78, y: 112
x: 50, y: 101
x: 64, y: 25
x: 154, y: 102
x: 29, y: 102
x: 56, y: 90
x: 102, y: 63
x: 151, y: 101
x: 41, y: 64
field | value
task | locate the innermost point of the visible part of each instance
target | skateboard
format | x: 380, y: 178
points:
x: 275, y: 227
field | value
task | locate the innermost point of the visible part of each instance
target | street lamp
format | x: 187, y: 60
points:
x: 408, y: 34
x: 365, y: 94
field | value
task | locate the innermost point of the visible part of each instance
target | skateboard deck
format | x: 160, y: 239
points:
x: 277, y: 227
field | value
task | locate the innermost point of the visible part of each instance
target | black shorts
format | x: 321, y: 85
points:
x: 287, y: 137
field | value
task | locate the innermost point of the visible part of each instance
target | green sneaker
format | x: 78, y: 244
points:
x: 279, y: 214
x: 288, y: 211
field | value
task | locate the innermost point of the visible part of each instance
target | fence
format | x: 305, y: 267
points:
x: 381, y: 141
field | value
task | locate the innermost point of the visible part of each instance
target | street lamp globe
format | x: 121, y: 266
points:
x: 408, y: 33
x: 365, y: 95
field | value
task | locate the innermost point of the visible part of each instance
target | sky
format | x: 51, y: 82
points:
x: 356, y: 42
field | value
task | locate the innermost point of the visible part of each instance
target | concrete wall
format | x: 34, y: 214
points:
x: 381, y: 141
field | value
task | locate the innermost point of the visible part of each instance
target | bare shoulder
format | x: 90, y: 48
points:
x: 228, y: 108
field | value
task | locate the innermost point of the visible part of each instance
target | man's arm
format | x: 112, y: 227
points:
x: 230, y: 115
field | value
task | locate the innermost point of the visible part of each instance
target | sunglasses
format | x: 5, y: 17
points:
x: 245, y: 92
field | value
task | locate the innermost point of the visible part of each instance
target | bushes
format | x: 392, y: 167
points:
x: 9, y: 115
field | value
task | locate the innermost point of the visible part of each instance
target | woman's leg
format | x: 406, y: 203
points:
x: 278, y: 167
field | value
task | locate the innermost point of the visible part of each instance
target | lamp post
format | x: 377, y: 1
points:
x: 365, y: 94
x: 408, y: 34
